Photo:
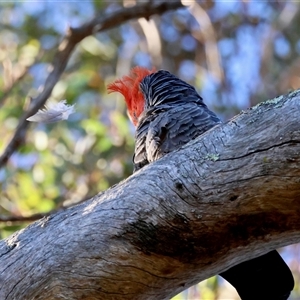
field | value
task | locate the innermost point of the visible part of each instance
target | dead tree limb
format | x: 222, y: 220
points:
x: 226, y: 197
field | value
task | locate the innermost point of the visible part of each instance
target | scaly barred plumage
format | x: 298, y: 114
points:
x: 173, y: 113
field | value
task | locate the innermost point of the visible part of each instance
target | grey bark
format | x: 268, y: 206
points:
x: 226, y: 197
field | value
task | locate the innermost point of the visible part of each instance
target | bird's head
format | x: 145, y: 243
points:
x: 129, y: 87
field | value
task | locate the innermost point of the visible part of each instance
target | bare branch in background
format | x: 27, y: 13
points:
x: 153, y: 40
x: 34, y: 217
x: 12, y: 85
x: 21, y: 219
x: 12, y: 79
x: 100, y: 23
x: 209, y: 40
x: 286, y: 77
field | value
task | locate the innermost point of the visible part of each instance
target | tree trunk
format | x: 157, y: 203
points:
x: 228, y: 196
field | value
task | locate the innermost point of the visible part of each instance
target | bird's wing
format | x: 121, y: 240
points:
x: 176, y: 127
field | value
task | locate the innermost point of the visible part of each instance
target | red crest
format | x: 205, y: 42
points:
x: 129, y: 87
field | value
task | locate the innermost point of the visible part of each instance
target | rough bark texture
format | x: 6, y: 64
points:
x: 226, y: 197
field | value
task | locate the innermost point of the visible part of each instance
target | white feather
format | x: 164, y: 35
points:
x: 53, y: 112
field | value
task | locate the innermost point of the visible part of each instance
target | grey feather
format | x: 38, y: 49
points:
x: 53, y: 113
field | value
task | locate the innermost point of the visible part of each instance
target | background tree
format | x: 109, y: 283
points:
x: 236, y: 53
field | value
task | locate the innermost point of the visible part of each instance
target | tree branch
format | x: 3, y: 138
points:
x: 19, y: 218
x: 74, y: 35
x: 12, y: 86
x: 228, y: 196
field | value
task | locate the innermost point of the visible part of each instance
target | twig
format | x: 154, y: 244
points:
x: 34, y: 217
x: 37, y: 216
x: 72, y: 38
x: 7, y: 92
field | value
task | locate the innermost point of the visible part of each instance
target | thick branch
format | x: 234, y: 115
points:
x: 226, y: 197
x: 75, y: 35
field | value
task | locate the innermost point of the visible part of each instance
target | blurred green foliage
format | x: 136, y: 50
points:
x: 237, y: 53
